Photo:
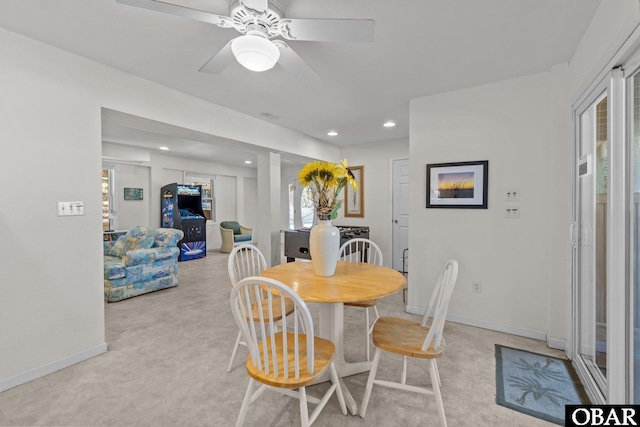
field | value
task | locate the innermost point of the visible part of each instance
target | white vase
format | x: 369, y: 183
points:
x: 324, y: 244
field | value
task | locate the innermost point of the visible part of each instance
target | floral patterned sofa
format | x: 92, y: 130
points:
x: 144, y: 260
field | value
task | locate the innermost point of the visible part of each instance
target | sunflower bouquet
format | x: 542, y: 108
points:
x: 326, y: 180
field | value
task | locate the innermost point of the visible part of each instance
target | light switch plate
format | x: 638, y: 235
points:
x: 512, y: 212
x: 512, y: 195
x: 70, y: 208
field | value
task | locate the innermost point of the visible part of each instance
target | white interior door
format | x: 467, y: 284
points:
x: 400, y: 210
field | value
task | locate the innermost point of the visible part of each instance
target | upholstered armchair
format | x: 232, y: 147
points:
x: 234, y: 234
x: 144, y: 260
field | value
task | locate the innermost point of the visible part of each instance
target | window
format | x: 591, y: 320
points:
x: 208, y: 194
x: 301, y: 197
x: 292, y: 210
x: 108, y: 199
x: 306, y: 207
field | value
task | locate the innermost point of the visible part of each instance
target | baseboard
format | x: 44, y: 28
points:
x: 41, y: 371
x: 485, y: 324
x: 557, y: 343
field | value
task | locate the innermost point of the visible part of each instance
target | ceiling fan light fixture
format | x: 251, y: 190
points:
x: 255, y: 52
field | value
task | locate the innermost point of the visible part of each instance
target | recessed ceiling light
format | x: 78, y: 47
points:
x: 164, y: 148
x: 248, y: 162
x: 332, y: 133
x: 389, y: 124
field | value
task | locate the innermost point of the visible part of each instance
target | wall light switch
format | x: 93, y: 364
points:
x: 512, y: 212
x: 70, y: 208
x: 512, y: 196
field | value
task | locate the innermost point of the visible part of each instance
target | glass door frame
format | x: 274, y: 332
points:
x: 617, y: 385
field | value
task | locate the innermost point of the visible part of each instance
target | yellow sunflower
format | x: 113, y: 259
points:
x: 326, y: 180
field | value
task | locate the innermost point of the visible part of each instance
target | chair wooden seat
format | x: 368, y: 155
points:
x: 366, y: 303
x: 405, y: 337
x: 417, y: 340
x: 246, y: 261
x: 282, y: 361
x: 277, y: 309
x: 323, y: 354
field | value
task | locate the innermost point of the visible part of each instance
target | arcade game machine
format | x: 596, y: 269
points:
x: 181, y: 208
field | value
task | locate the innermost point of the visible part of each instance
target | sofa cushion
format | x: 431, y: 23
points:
x: 138, y: 231
x: 147, y: 241
x: 232, y: 225
x: 139, y: 237
x: 242, y: 238
x: 113, y: 267
x: 116, y: 249
x: 130, y: 244
x: 167, y: 237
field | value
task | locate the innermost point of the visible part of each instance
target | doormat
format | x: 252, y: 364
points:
x: 536, y: 384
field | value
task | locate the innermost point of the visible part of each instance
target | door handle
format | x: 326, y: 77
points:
x: 395, y: 220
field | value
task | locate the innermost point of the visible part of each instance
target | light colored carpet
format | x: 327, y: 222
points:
x: 167, y: 359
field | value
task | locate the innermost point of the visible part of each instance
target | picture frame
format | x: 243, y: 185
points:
x: 133, y: 193
x: 460, y: 185
x: 354, y: 200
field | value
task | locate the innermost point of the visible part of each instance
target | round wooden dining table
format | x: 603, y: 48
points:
x: 352, y: 281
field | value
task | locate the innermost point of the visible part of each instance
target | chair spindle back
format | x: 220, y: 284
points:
x: 245, y: 261
x: 257, y: 304
x: 439, y: 304
x: 361, y: 250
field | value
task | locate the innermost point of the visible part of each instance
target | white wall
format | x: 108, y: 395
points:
x: 508, y: 124
x: 250, y: 211
x: 376, y: 158
x: 226, y: 205
x: 132, y: 212
x: 523, y: 128
x: 51, y: 111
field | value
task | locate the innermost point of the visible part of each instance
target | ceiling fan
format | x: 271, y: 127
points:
x: 260, y: 22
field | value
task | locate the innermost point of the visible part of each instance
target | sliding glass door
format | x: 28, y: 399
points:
x: 601, y: 241
x: 592, y: 185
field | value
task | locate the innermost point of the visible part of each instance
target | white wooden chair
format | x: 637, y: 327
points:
x: 282, y: 361
x: 363, y: 250
x: 245, y: 261
x: 418, y: 340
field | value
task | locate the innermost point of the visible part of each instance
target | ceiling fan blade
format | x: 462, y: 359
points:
x: 328, y: 30
x: 219, y: 61
x: 186, y: 12
x: 258, y: 7
x: 294, y: 64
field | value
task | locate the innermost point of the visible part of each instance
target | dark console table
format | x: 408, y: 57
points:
x: 296, y: 242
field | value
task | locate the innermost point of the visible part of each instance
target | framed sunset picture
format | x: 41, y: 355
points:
x: 458, y: 185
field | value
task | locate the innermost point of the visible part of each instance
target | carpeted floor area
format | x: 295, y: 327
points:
x: 167, y: 359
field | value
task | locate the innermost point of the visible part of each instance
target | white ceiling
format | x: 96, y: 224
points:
x: 421, y: 47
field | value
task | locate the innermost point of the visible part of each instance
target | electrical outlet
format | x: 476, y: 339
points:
x: 477, y: 287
